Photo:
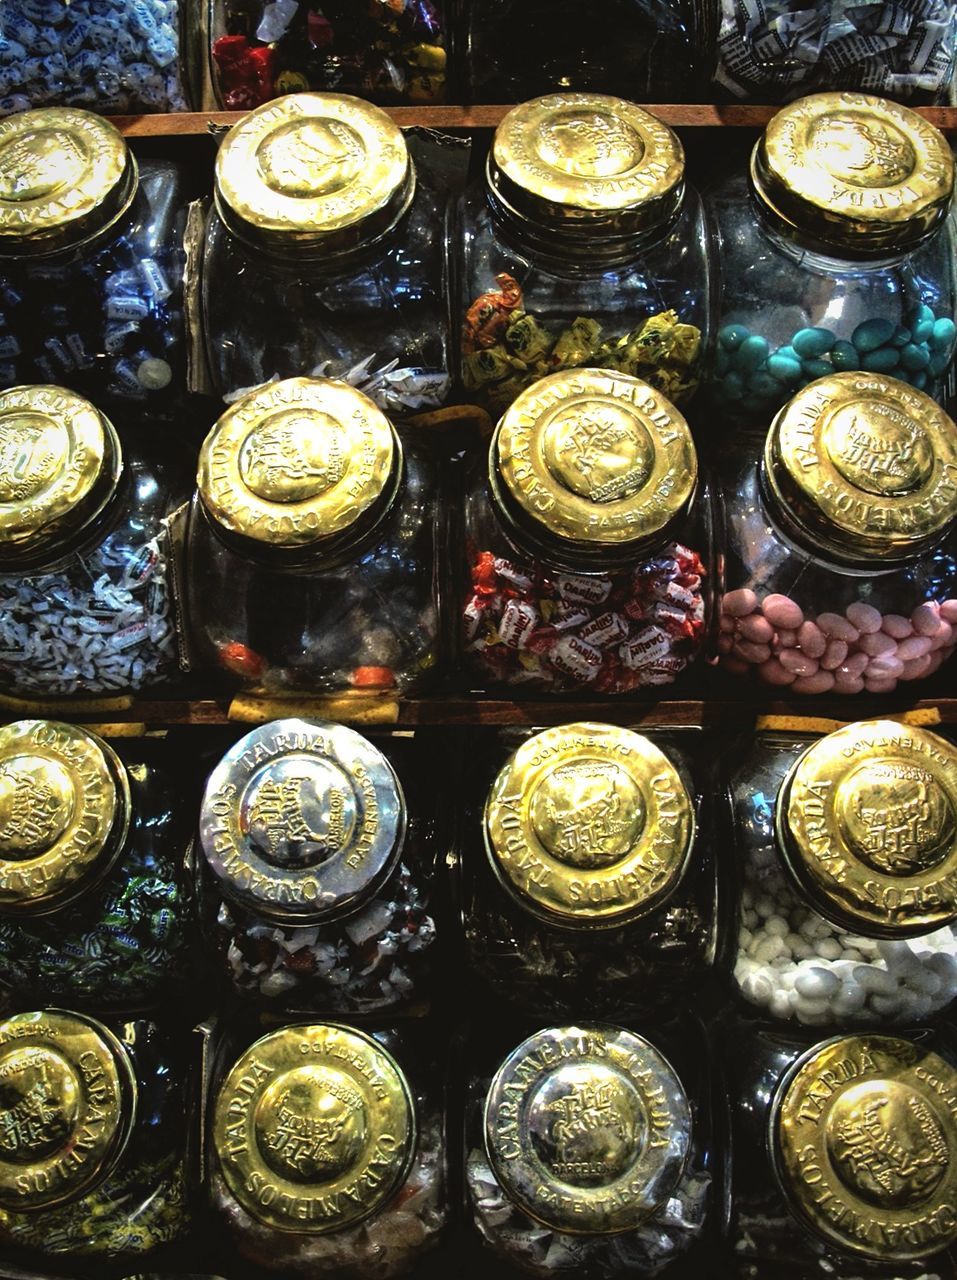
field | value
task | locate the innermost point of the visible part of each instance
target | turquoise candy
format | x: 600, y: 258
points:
x: 871, y: 334
x: 732, y: 335
x: 883, y: 360
x: 922, y: 326
x: 844, y: 356
x: 722, y: 361
x: 732, y: 386
x: 751, y: 354
x: 762, y: 384
x: 915, y: 357
x: 810, y: 343
x: 938, y: 363
x: 919, y: 379
x: 901, y: 336
x: 816, y: 368
x: 944, y: 333
x: 783, y: 367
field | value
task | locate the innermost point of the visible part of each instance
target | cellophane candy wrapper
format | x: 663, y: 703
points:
x: 774, y: 51
x: 117, y: 57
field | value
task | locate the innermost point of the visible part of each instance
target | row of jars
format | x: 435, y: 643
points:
x: 325, y: 550
x: 586, y: 1149
x: 588, y: 866
x: 333, y: 249
x: 167, y: 55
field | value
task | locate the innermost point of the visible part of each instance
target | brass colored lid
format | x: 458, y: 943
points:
x: 589, y: 824
x: 855, y: 172
x: 313, y: 174
x: 864, y: 465
x: 594, y: 460
x: 867, y: 823
x: 66, y: 175
x: 586, y: 163
x: 864, y: 1140
x: 67, y: 1104
x: 587, y: 1128
x: 299, y: 463
x: 64, y: 813
x: 60, y: 463
x: 302, y: 820
x: 314, y: 1128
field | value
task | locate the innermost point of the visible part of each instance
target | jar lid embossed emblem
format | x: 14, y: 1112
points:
x: 867, y: 824
x: 302, y: 820
x: 864, y: 466
x: 64, y: 814
x: 587, y: 163
x: 857, y: 173
x: 302, y: 463
x: 314, y: 1128
x: 589, y: 825
x: 587, y: 1128
x: 597, y: 462
x: 66, y: 176
x: 863, y: 1134
x: 67, y: 1106
x: 313, y: 174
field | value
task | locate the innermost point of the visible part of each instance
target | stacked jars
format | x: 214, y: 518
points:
x: 587, y: 532
x: 835, y: 254
x: 584, y: 248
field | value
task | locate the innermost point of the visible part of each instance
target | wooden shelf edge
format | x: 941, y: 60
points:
x: 679, y: 115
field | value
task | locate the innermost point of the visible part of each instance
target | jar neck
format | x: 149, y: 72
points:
x: 82, y: 543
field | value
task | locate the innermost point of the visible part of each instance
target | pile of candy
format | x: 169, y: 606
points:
x: 750, y: 376
x: 613, y: 633
x: 544, y: 1252
x: 861, y: 649
x: 372, y: 960
x: 383, y: 50
x: 118, y: 57
x: 505, y: 349
x: 101, y: 623
x: 110, y: 325
x: 775, y: 51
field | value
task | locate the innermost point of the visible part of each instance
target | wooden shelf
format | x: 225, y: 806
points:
x: 690, y: 116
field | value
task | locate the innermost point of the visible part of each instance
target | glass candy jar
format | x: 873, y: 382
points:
x: 109, y: 55
x: 94, y: 1116
x: 841, y: 1155
x: 840, y: 544
x: 518, y: 49
x: 587, y: 536
x: 312, y: 544
x: 91, y: 260
x: 595, y: 885
x: 836, y: 253
x: 774, y: 53
x: 93, y: 905
x: 327, y: 1150
x: 86, y: 591
x: 389, y: 51
x: 847, y: 910
x: 323, y: 255
x: 584, y: 247
x: 317, y: 882
x: 588, y: 1154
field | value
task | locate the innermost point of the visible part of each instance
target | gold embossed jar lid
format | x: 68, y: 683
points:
x: 312, y: 174
x: 302, y: 820
x: 314, y: 1128
x: 864, y: 466
x: 587, y: 1128
x: 589, y: 825
x: 66, y: 176
x: 64, y: 813
x: 854, y: 172
x: 587, y: 164
x: 867, y: 824
x: 595, y: 462
x: 864, y: 1144
x: 60, y: 464
x: 304, y: 463
x: 67, y: 1105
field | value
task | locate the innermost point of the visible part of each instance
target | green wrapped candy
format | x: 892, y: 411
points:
x: 527, y: 339
x: 482, y: 367
x: 577, y: 344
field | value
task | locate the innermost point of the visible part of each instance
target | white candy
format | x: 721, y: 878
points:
x: 817, y: 983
